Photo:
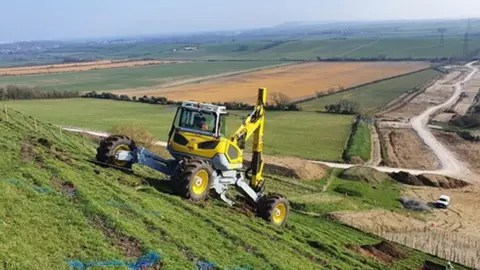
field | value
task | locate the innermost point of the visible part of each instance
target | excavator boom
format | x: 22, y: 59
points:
x: 254, y: 125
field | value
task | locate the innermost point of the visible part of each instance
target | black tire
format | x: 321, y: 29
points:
x: 110, y: 145
x: 188, y: 185
x: 274, y: 209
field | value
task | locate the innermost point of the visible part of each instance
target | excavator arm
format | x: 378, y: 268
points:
x: 254, y: 125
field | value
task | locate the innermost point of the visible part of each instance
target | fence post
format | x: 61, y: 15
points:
x: 61, y: 134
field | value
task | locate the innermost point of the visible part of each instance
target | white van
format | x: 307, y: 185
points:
x: 443, y: 201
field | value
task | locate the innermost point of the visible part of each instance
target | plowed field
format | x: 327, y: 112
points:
x: 57, y: 68
x: 296, y: 81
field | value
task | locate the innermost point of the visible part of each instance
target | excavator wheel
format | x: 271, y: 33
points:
x: 194, y: 179
x: 110, y: 146
x: 274, y: 209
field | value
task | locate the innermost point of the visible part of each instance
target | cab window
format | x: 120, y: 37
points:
x: 201, y: 121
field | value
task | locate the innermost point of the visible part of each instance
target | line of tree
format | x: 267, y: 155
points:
x: 343, y: 107
x: 280, y: 102
x: 12, y: 92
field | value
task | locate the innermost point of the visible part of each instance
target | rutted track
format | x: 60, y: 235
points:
x: 450, y: 165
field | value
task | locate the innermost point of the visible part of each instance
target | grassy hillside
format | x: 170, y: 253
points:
x: 374, y: 96
x: 60, y: 210
x: 126, y: 78
x: 306, y: 134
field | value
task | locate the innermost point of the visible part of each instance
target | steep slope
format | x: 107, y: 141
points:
x: 58, y: 211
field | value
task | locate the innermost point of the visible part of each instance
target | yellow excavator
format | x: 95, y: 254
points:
x: 205, y: 158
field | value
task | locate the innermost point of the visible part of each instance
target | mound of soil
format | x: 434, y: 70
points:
x: 365, y: 174
x: 431, y: 180
x: 290, y: 167
x: 383, y: 251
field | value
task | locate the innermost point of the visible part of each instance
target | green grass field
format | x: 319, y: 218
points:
x: 405, y: 44
x: 126, y: 78
x: 311, y: 49
x: 360, y: 143
x: 58, y: 208
x: 303, y: 134
x: 374, y: 96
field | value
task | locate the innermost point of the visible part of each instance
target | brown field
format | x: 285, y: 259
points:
x: 57, y: 68
x: 295, y: 81
x: 404, y: 149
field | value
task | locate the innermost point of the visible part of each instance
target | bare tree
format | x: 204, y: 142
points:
x: 280, y: 98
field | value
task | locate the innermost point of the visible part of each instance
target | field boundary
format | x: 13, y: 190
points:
x: 347, y: 143
x: 403, y: 99
x: 314, y: 97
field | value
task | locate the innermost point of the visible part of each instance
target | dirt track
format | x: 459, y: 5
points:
x: 466, y: 151
x: 451, y: 166
x: 296, y: 81
x: 58, y: 68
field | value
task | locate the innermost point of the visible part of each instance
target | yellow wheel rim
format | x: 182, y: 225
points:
x: 200, y: 182
x: 279, y: 213
x: 123, y: 147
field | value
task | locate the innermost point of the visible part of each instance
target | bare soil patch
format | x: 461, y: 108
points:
x: 291, y: 167
x: 466, y: 151
x: 97, y: 65
x: 402, y: 148
x: 27, y: 151
x: 65, y: 187
x: 295, y: 81
x: 384, y: 251
x: 130, y: 246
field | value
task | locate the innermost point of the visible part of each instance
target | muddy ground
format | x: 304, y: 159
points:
x: 402, y: 148
x: 466, y: 151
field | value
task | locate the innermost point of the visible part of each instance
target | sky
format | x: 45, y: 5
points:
x: 62, y: 19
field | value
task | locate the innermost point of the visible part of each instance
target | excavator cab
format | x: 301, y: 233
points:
x: 197, y: 118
